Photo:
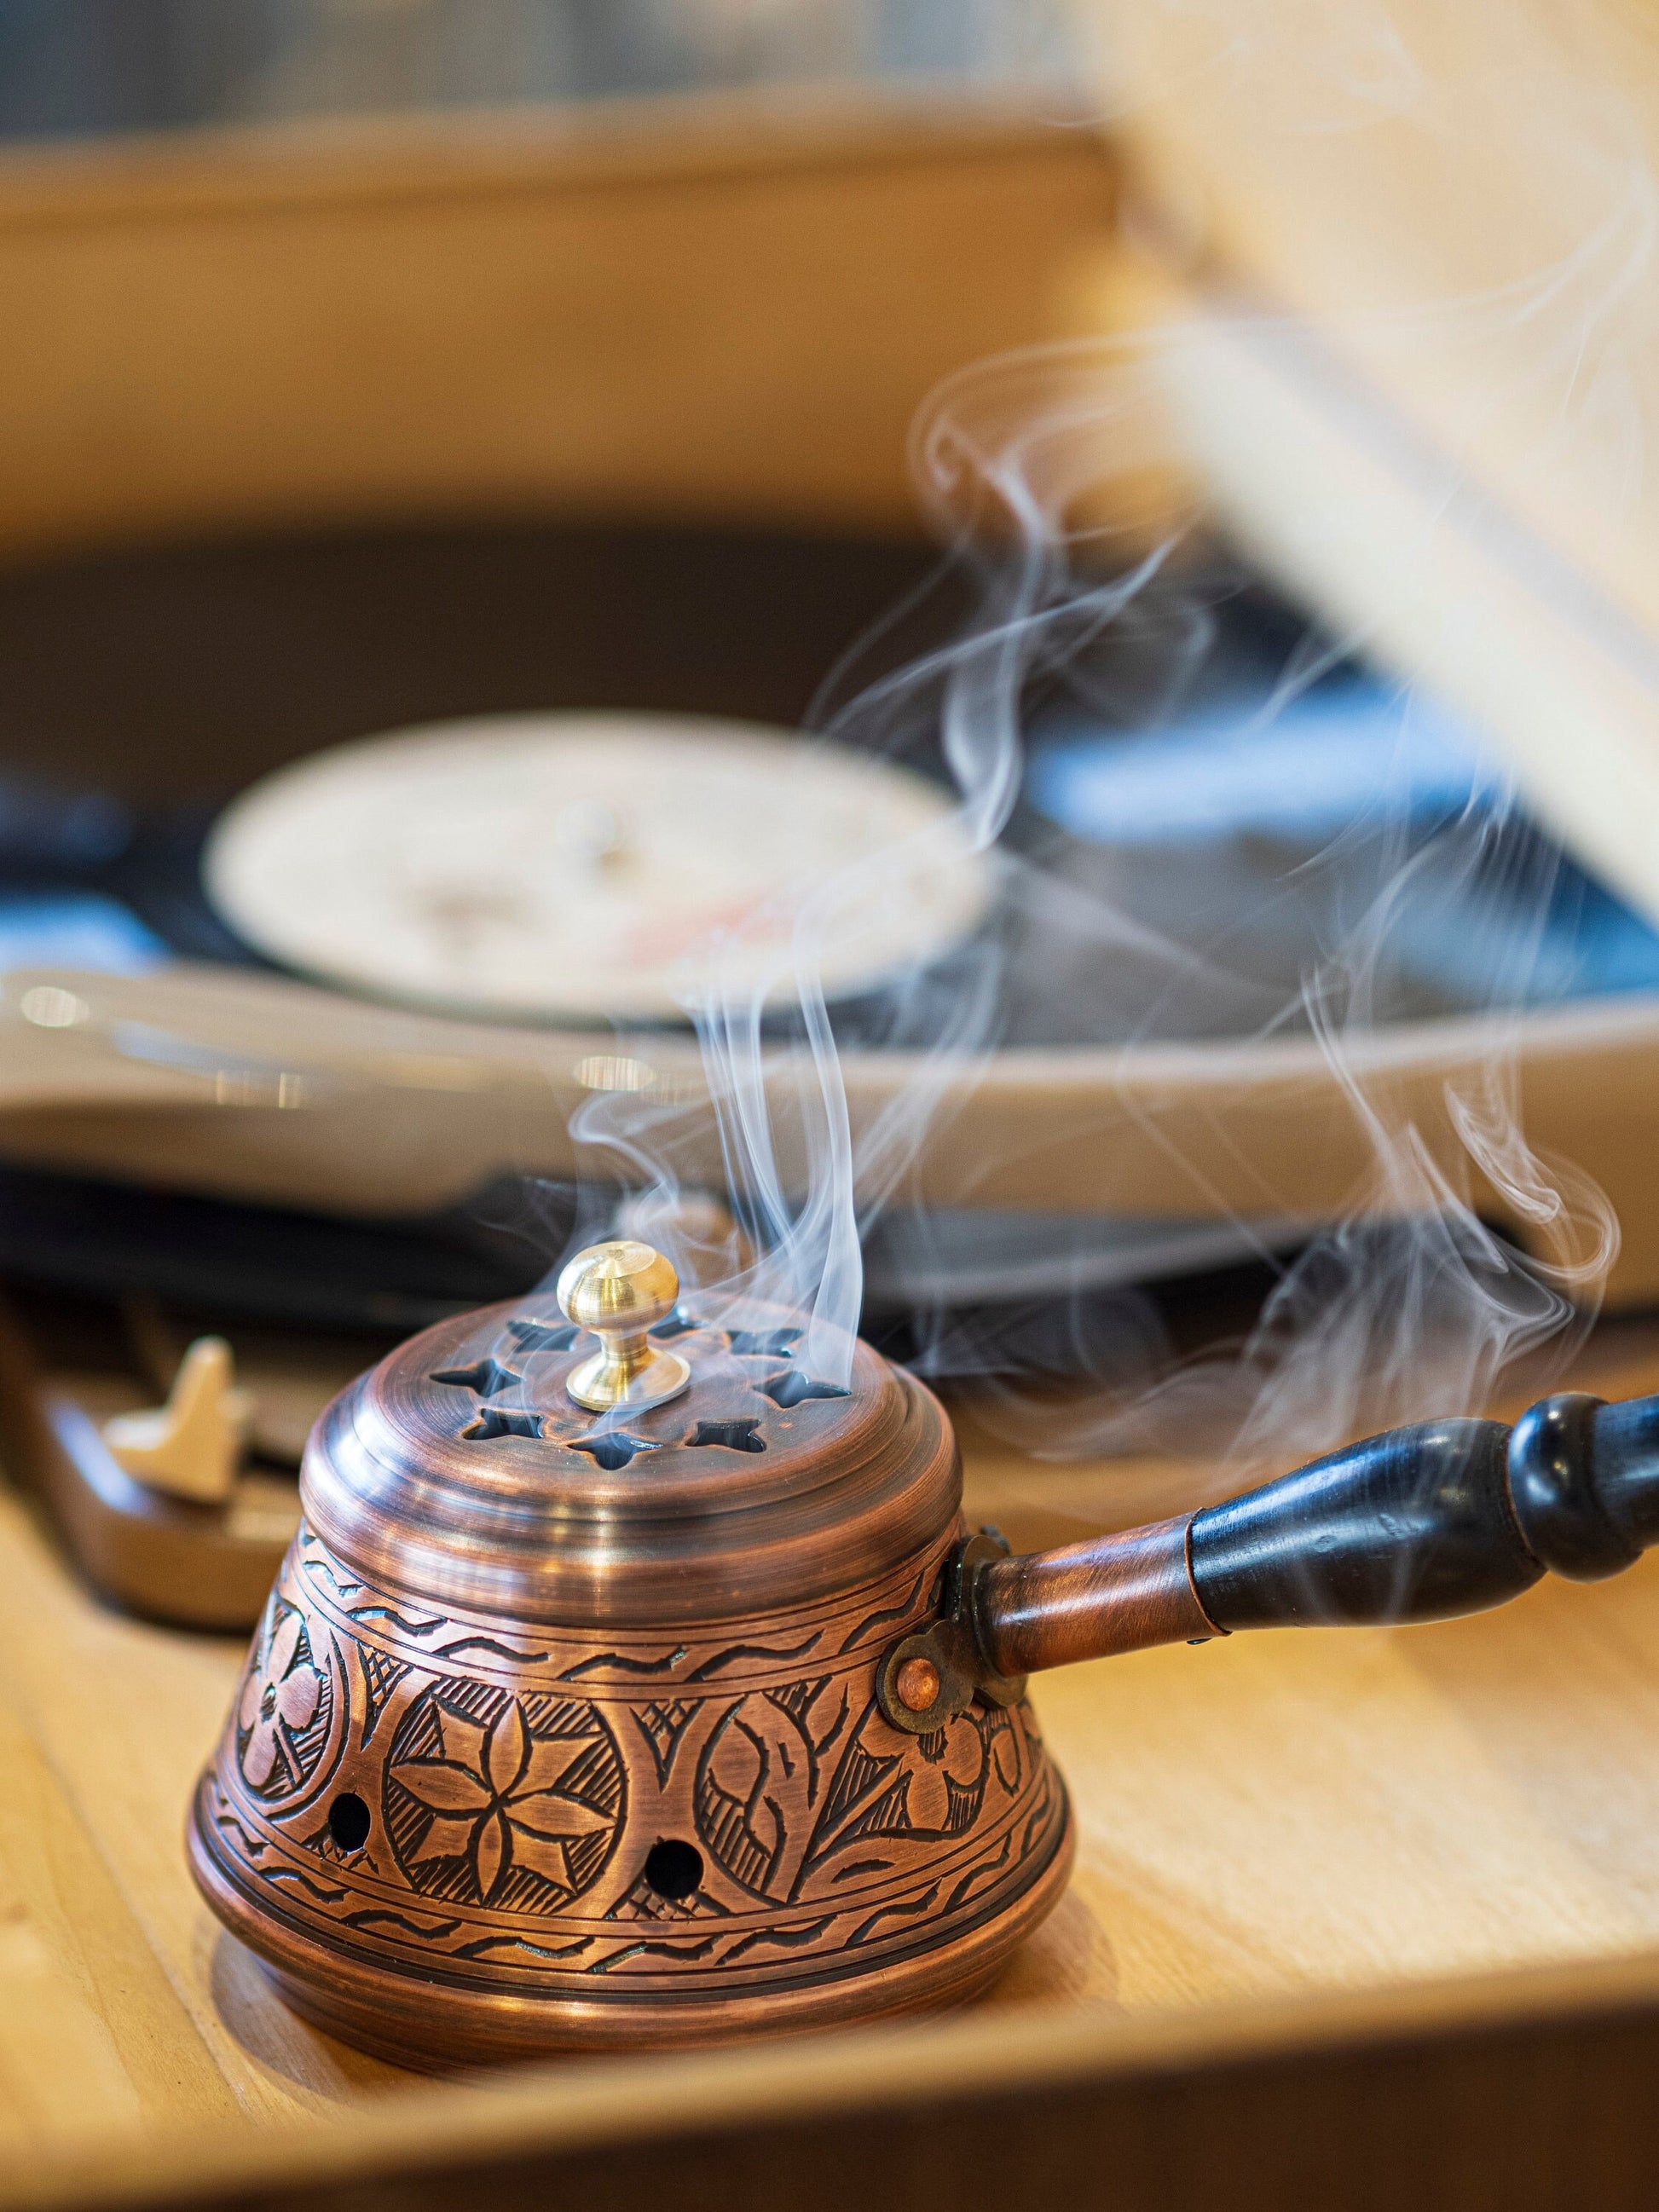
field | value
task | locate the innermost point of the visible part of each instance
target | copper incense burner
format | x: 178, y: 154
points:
x: 627, y: 1685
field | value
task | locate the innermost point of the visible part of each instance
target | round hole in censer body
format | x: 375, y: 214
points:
x: 673, y: 1868
x: 348, y: 1821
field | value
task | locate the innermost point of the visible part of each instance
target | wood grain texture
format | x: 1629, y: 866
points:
x: 709, y: 307
x: 118, y: 1711
x: 1291, y: 1846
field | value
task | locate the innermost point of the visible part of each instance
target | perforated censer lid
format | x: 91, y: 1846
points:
x: 568, y: 864
x: 461, y: 1471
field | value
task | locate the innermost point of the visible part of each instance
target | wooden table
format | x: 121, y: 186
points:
x: 1295, y: 1850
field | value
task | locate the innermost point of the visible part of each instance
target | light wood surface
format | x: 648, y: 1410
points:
x: 1299, y: 1817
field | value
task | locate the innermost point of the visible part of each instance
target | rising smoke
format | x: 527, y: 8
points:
x: 1105, y: 591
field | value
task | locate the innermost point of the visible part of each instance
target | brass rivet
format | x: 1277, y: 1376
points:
x: 917, y: 1684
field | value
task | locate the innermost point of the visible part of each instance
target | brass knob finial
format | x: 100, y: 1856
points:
x: 621, y: 1290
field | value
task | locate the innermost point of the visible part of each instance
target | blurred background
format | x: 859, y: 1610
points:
x: 73, y: 67
x: 1176, y: 467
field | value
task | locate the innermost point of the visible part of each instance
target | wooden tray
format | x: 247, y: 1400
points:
x: 1359, y: 1918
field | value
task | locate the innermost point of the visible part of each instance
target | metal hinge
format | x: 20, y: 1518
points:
x: 936, y: 1673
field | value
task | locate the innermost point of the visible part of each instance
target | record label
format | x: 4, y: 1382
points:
x: 586, y: 866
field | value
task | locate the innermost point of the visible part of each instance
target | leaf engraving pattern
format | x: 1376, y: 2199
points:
x: 890, y: 1790
x: 755, y: 1794
x: 787, y: 1796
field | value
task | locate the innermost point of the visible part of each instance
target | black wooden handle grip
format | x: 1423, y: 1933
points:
x: 1414, y: 1525
x: 1419, y: 1524
x: 1426, y: 1523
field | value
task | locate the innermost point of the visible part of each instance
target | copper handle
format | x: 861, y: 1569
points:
x: 1420, y: 1523
x: 1115, y: 1593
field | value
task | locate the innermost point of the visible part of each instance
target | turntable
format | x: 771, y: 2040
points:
x: 1076, y: 1045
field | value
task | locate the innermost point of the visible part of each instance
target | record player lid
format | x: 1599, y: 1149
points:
x: 1413, y: 359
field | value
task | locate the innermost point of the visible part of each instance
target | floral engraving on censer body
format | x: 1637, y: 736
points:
x: 566, y: 1726
x: 283, y: 1714
x: 500, y: 1800
x: 513, y: 1818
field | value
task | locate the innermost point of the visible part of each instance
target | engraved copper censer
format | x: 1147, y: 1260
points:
x: 627, y: 1685
x: 561, y: 1726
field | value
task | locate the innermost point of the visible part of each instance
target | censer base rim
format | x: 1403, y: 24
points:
x: 399, y: 2020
